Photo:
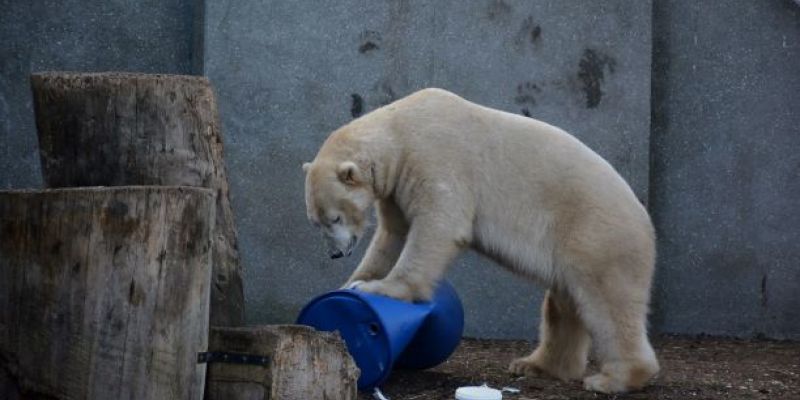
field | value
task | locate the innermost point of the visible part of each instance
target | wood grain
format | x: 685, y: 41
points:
x: 104, y: 292
x: 117, y: 129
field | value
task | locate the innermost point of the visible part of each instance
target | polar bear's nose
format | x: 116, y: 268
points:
x: 337, y: 254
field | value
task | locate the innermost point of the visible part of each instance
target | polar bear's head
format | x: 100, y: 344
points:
x: 337, y: 202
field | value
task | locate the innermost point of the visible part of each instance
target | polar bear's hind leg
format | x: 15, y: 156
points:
x: 563, y: 341
x: 614, y: 310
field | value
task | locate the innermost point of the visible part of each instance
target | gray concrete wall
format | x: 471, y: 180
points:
x: 722, y: 178
x: 725, y: 190
x: 288, y: 73
x: 78, y: 35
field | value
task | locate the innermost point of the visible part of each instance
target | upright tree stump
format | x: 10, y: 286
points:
x: 104, y: 292
x: 279, y: 362
x: 118, y: 129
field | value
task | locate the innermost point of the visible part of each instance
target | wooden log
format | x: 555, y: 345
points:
x: 104, y: 292
x: 118, y: 129
x: 301, y: 364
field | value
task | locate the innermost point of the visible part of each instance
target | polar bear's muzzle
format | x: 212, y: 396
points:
x: 335, y: 252
x: 340, y: 244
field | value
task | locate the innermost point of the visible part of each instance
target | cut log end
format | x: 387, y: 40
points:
x: 304, y: 364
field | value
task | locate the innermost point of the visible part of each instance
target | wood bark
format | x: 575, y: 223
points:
x: 304, y: 364
x: 104, y: 292
x: 118, y: 129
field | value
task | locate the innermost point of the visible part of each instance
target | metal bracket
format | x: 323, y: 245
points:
x: 232, y: 358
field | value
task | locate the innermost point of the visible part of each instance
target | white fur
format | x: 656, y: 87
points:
x: 447, y: 174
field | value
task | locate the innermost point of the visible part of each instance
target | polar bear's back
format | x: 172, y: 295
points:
x: 517, y: 172
x: 440, y: 128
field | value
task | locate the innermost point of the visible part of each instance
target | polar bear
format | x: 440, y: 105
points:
x: 446, y: 174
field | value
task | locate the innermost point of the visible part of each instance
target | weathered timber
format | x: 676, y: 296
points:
x: 118, y: 129
x: 302, y: 364
x: 104, y: 292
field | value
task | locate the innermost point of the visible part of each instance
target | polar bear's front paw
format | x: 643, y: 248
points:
x: 395, y: 289
x: 352, y: 284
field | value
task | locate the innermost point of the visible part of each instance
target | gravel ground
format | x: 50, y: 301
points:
x: 692, y: 368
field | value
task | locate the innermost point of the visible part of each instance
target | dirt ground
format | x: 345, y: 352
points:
x: 692, y: 368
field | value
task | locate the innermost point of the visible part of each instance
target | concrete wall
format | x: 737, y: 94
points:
x: 720, y: 172
x: 285, y: 83
x: 78, y: 35
x: 725, y: 189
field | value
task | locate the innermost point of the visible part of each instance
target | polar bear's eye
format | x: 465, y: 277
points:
x: 337, y: 220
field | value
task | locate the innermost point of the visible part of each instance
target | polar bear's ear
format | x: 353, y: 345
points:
x: 348, y: 173
x: 306, y: 166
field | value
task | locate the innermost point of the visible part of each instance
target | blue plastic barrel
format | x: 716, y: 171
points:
x: 439, y: 335
x: 380, y: 331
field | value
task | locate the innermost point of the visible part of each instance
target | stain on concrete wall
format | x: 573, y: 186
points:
x: 592, y: 70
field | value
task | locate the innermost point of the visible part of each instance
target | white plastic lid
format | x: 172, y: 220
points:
x: 478, y: 393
